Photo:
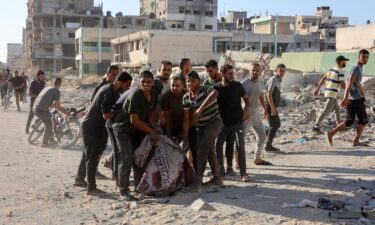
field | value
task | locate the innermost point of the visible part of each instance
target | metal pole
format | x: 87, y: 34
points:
x: 276, y: 33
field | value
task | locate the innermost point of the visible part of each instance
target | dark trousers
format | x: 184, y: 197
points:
x: 127, y: 144
x: 194, y: 142
x: 94, y: 140
x: 225, y: 133
x: 46, y: 118
x: 275, y: 124
x: 31, y: 114
x: 115, y: 153
x: 206, y: 150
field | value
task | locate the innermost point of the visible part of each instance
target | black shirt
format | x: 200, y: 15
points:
x: 36, y: 87
x: 102, y: 103
x: 17, y: 81
x: 104, y: 82
x: 229, y: 101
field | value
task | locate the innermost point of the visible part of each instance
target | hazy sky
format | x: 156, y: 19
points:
x: 13, y: 14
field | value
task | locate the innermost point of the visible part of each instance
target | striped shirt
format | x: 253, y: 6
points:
x: 209, y: 114
x: 333, y: 81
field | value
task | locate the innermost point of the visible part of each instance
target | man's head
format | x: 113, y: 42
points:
x: 185, y: 65
x: 193, y: 81
x: 165, y: 70
x: 16, y: 73
x: 255, y: 71
x: 112, y: 73
x: 23, y: 73
x: 341, y: 61
x: 363, y: 57
x: 177, y: 86
x: 146, y: 81
x: 123, y: 82
x: 228, y: 73
x: 40, y: 75
x: 58, y: 82
x: 212, y: 69
x: 280, y: 70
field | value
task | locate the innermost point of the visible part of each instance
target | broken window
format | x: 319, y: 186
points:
x: 208, y: 27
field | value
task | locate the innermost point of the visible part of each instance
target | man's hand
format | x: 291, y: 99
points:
x: 154, y: 136
x: 273, y: 112
x: 316, y: 92
x: 265, y: 114
x: 198, y: 112
x: 246, y: 115
x: 344, y: 103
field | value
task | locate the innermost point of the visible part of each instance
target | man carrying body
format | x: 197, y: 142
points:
x: 209, y: 124
x: 18, y: 84
x: 94, y: 132
x: 333, y: 80
x: 273, y: 101
x: 254, y: 90
x: 47, y: 98
x: 135, y: 120
x: 36, y: 86
x: 173, y: 109
x: 229, y: 94
x: 354, y: 101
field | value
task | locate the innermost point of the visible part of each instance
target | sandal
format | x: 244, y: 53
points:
x: 262, y: 163
x: 361, y: 145
x: 245, y: 178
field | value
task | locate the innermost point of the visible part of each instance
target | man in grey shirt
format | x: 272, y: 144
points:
x: 255, y: 91
x: 354, y: 101
x: 47, y: 98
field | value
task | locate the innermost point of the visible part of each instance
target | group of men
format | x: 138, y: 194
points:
x: 17, y: 82
x: 200, y: 114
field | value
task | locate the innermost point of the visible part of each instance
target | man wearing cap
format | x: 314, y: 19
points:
x: 354, y: 102
x: 134, y: 121
x: 333, y: 80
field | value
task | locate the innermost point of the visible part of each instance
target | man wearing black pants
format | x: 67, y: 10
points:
x: 134, y: 121
x: 94, y: 132
x: 36, y: 86
x: 273, y: 101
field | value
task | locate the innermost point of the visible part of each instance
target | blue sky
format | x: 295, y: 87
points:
x: 13, y: 15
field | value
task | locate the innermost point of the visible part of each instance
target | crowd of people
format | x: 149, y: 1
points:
x: 202, y: 115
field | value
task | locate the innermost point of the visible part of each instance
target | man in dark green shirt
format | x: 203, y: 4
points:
x: 135, y: 120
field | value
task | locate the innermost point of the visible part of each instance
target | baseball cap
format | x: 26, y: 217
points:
x: 341, y: 58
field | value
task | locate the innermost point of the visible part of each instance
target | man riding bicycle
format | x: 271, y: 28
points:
x: 49, y: 97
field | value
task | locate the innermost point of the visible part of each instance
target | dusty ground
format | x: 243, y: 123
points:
x: 36, y: 186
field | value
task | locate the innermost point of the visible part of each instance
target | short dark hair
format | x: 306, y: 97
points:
x: 166, y: 63
x: 124, y: 77
x: 193, y: 75
x: 281, y: 65
x: 40, y: 72
x: 145, y: 74
x: 225, y: 68
x: 256, y: 64
x: 183, y: 62
x: 112, y: 67
x: 176, y: 78
x: 58, y: 81
x: 211, y: 63
x: 364, y: 52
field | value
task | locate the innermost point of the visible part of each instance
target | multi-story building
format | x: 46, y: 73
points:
x: 50, y: 31
x: 15, y: 56
x: 323, y: 24
x: 356, y: 38
x: 198, y: 15
x: 146, y: 49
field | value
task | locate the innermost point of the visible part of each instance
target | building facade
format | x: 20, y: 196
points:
x: 192, y: 15
x: 15, y: 56
x: 356, y: 38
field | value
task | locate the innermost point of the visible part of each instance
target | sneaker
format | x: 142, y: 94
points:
x: 100, y: 176
x: 126, y: 196
x: 272, y: 149
x: 45, y: 145
x: 245, y: 178
x: 194, y: 187
x: 317, y: 130
x: 80, y: 183
x: 230, y: 172
x: 218, y: 181
x: 95, y: 192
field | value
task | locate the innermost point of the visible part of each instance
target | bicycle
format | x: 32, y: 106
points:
x: 66, y: 130
x: 7, y: 97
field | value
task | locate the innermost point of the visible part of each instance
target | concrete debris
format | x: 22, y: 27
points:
x: 303, y: 204
x: 199, y: 205
x: 358, y: 200
x: 370, y: 205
